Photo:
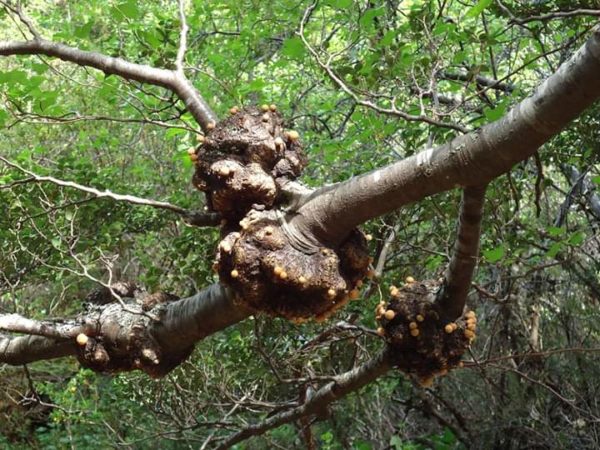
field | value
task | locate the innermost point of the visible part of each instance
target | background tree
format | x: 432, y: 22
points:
x: 432, y: 95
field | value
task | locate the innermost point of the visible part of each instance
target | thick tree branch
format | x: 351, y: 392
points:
x: 19, y: 324
x: 340, y: 386
x: 27, y: 349
x: 174, y: 328
x: 469, y: 160
x: 194, y: 218
x: 174, y: 81
x: 458, y: 276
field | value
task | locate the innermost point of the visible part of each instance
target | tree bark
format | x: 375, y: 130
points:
x: 175, y: 82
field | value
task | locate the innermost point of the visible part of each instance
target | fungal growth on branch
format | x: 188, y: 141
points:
x: 245, y: 159
x: 116, y: 337
x: 271, y: 275
x: 423, y: 344
x: 242, y: 165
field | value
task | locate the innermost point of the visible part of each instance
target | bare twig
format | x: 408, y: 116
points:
x: 182, y: 38
x: 393, y: 111
x: 191, y: 217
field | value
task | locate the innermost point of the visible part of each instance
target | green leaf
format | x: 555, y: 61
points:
x: 577, y: 238
x: 396, y: 442
x: 555, y: 231
x: 596, y: 179
x: 293, y: 48
x: 554, y: 249
x: 339, y: 4
x: 494, y: 114
x: 495, y: 254
x: 478, y: 8
x: 83, y: 31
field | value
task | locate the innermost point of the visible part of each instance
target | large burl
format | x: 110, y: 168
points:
x: 244, y: 161
x: 422, y: 343
x: 243, y: 165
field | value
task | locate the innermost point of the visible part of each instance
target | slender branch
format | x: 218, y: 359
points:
x: 182, y: 38
x: 341, y: 385
x: 556, y: 15
x: 479, y: 79
x: 458, y: 276
x: 168, y: 79
x: 191, y: 217
x: 393, y: 111
x: 22, y: 17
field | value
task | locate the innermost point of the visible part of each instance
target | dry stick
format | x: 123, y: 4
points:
x: 468, y: 160
x: 172, y: 80
x: 191, y: 217
x: 342, y: 385
x: 457, y: 280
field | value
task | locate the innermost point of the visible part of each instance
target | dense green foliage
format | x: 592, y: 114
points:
x: 78, y: 124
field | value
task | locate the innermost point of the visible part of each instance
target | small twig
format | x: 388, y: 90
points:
x: 182, y: 38
x: 393, y: 111
x: 191, y: 217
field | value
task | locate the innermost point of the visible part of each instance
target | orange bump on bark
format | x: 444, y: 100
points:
x: 293, y: 135
x: 331, y: 293
x: 354, y: 294
x: 283, y: 275
x: 273, y: 107
x: 381, y: 331
x: 413, y: 325
x: 415, y: 332
x: 82, y: 339
x: 369, y: 237
x: 210, y: 125
x: 409, y: 279
x: 389, y: 314
x: 191, y: 151
x: 234, y: 273
x: 449, y: 328
x: 420, y: 318
x: 264, y: 107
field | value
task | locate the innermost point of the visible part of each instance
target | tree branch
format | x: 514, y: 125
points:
x: 174, y: 327
x: 174, y: 81
x: 457, y: 282
x: 27, y: 349
x: 19, y: 324
x: 392, y: 111
x: 182, y: 38
x: 469, y: 160
x: 191, y: 217
x: 340, y: 386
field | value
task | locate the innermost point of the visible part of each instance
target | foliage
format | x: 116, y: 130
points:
x: 80, y: 125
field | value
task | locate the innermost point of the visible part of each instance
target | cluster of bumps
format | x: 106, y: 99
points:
x: 424, y: 344
x: 242, y: 165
